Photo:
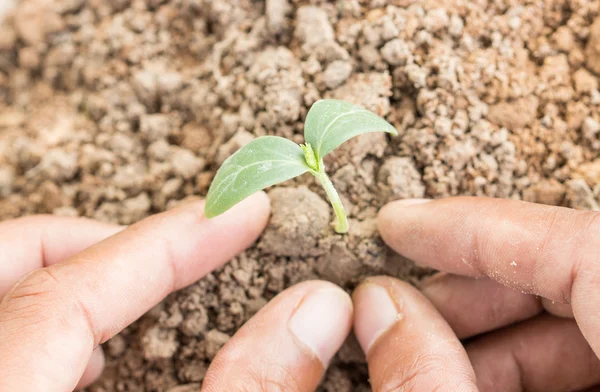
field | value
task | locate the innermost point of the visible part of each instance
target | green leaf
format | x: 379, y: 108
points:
x: 263, y: 162
x: 330, y: 123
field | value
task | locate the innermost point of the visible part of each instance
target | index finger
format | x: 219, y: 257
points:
x: 548, y: 251
x: 53, y: 318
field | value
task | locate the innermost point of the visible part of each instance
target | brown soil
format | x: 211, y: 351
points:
x: 122, y: 108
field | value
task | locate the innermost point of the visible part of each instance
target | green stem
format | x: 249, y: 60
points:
x: 341, y: 223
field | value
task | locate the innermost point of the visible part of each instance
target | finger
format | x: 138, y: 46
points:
x: 409, y: 346
x: 93, y: 370
x: 545, y: 354
x: 54, y: 317
x: 287, y: 345
x: 38, y: 241
x: 558, y: 309
x: 475, y: 306
x: 548, y: 251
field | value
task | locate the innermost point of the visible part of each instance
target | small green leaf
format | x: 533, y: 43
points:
x: 263, y: 162
x: 330, y: 123
x: 309, y: 156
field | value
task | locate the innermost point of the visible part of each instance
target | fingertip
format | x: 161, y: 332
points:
x: 322, y: 320
x: 394, y: 216
x: 255, y: 209
x: 295, y: 335
x: 376, y: 310
x: 261, y: 203
x: 258, y: 200
x: 406, y: 341
x: 93, y: 370
x: 491, y: 305
x: 558, y: 309
x: 383, y: 220
x: 236, y: 228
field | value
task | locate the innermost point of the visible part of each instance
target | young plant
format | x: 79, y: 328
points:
x: 269, y: 160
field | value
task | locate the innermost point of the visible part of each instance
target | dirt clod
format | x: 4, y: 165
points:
x: 581, y: 196
x: 592, y: 50
x: 159, y: 343
x: 299, y: 219
x: 399, y: 179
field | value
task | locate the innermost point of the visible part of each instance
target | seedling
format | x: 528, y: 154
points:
x: 269, y: 160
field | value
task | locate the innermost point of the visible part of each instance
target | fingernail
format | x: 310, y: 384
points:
x: 432, y: 280
x: 411, y: 202
x: 322, y: 321
x: 374, y: 313
x: 434, y: 291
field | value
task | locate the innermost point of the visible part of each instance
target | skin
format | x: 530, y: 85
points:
x: 516, y: 307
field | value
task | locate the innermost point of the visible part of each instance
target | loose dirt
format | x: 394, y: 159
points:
x: 118, y: 109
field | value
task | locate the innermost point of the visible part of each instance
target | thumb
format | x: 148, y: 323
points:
x: 287, y: 345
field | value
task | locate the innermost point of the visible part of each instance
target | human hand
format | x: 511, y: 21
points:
x: 72, y: 299
x: 53, y: 318
x: 522, y: 286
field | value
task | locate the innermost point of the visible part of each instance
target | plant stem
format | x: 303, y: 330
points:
x: 341, y: 223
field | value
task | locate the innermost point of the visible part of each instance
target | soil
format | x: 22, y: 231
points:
x: 123, y: 108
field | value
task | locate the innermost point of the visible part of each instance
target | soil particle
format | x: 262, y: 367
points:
x: 195, y: 323
x: 159, y: 343
x: 590, y: 172
x: 336, y: 73
x: 514, y: 115
x: 213, y: 342
x: 313, y: 28
x: 237, y: 141
x: 370, y: 90
x: 194, y: 387
x: 116, y: 346
x: 581, y: 196
x: 185, y: 163
x: 585, y: 82
x: 155, y: 126
x: 340, y: 265
x: 592, y: 50
x: 399, y: 179
x: 276, y: 11
x: 33, y: 23
x: 549, y: 192
x: 29, y: 58
x: 196, y: 138
x: 7, y: 179
x: 396, y: 52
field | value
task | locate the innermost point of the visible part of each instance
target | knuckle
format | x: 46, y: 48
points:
x: 40, y: 286
x: 591, y: 228
x: 257, y: 376
x: 400, y: 377
x: 586, y: 263
x: 275, y: 380
x: 40, y: 297
x: 32, y: 300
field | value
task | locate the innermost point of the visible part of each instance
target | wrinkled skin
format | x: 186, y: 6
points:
x: 516, y: 308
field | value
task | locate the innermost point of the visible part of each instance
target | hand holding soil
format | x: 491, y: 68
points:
x: 53, y: 320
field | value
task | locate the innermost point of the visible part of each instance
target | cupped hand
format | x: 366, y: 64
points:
x: 85, y: 281
x: 521, y: 288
